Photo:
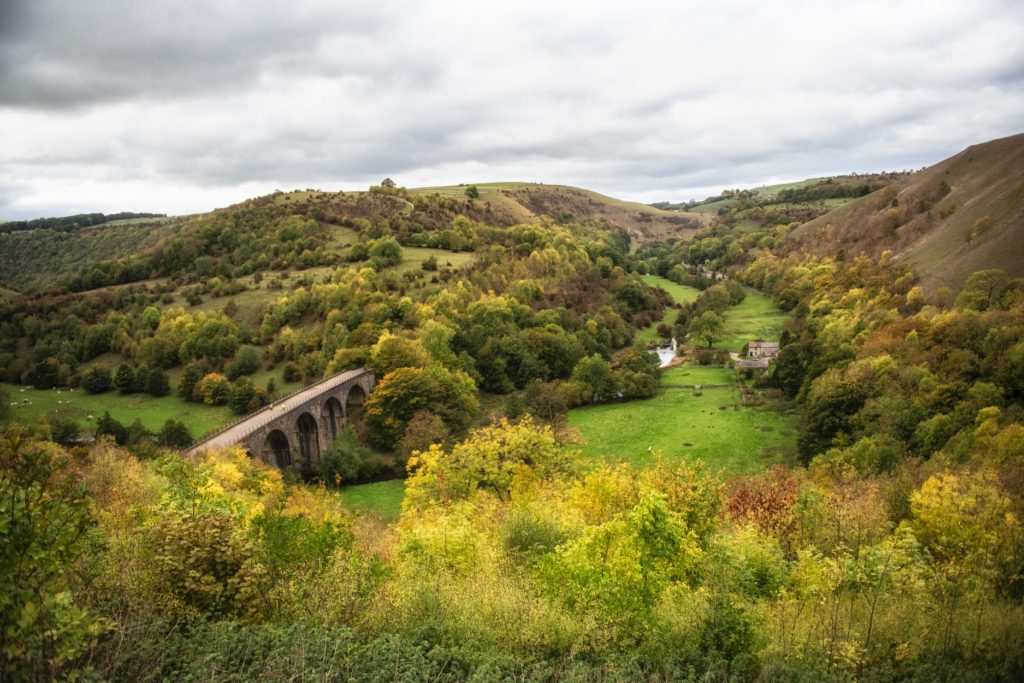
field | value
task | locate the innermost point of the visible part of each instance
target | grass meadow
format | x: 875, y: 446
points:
x: 681, y: 294
x: 709, y: 425
x: 381, y: 499
x: 756, y: 317
x: 33, y: 405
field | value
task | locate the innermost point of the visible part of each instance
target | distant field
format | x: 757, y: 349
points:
x: 679, y: 293
x: 33, y: 405
x: 413, y: 258
x: 381, y: 499
x: 677, y: 424
x: 756, y: 317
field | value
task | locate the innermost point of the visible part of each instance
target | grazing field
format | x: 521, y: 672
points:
x: 681, y: 294
x: 33, y: 405
x: 413, y: 258
x: 382, y: 499
x: 756, y: 317
x: 681, y: 423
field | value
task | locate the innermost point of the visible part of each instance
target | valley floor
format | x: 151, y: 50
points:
x: 709, y: 424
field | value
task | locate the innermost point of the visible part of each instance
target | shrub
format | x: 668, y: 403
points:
x: 174, y: 434
x: 97, y: 380
x: 108, y: 426
x: 214, y: 389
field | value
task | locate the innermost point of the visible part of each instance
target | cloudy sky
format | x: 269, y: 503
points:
x: 183, y: 106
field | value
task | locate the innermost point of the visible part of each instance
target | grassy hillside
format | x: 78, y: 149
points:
x: 521, y: 202
x: 33, y: 259
x: 947, y: 221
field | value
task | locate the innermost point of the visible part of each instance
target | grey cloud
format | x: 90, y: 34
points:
x: 175, y: 106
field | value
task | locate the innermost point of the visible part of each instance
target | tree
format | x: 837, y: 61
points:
x: 291, y: 373
x: 44, y: 523
x: 392, y: 352
x: 214, y: 389
x: 242, y: 394
x: 190, y: 377
x: 174, y: 434
x: 157, y: 382
x: 424, y: 429
x: 984, y: 290
x: 490, y: 458
x: 213, y: 338
x: 400, y: 394
x: 385, y: 252
x: 595, y: 374
x: 63, y: 429
x: 97, y: 380
x: 472, y: 192
x: 108, y: 426
x: 707, y: 326
x: 245, y: 362
x: 544, y: 400
x: 124, y: 378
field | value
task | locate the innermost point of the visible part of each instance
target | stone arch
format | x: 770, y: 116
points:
x: 309, y: 440
x: 276, y: 444
x: 333, y: 416
x: 354, y: 400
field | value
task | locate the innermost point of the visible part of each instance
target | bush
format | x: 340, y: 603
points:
x: 424, y: 429
x: 44, y: 523
x: 64, y: 430
x: 108, y: 426
x: 214, y: 389
x: 157, y: 382
x: 242, y: 394
x: 346, y: 461
x: 174, y: 434
x: 291, y: 373
x: 124, y: 379
x: 97, y: 380
x: 246, y: 362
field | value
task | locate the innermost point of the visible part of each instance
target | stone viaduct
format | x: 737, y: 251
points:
x: 296, y: 429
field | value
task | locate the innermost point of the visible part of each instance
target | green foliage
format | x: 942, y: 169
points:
x: 489, y: 459
x: 97, y: 380
x: 45, y: 628
x: 205, y: 567
x: 399, y: 395
x: 392, y: 352
x: 108, y: 426
x: 347, y: 461
x: 174, y: 434
x: 385, y: 252
x: 707, y: 326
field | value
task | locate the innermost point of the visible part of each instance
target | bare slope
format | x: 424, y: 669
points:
x: 520, y: 202
x: 961, y: 215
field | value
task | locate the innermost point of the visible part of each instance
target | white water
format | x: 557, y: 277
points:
x: 666, y: 353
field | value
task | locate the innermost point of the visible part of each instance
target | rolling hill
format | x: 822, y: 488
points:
x: 32, y: 260
x: 961, y: 215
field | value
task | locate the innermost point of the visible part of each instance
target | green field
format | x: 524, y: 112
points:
x: 681, y: 294
x: 33, y: 405
x: 678, y: 424
x: 413, y: 258
x: 756, y: 317
x: 381, y: 499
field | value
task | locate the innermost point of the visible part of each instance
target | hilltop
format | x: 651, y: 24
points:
x: 961, y: 215
x: 49, y: 254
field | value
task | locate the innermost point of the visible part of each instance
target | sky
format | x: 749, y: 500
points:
x: 180, y: 107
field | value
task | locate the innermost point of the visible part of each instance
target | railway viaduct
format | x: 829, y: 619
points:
x: 296, y: 429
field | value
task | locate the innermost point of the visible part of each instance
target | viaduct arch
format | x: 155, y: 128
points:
x: 298, y: 429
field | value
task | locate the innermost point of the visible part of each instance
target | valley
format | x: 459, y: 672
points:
x: 521, y: 454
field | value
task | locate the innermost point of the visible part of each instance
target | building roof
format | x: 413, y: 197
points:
x: 757, y: 343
